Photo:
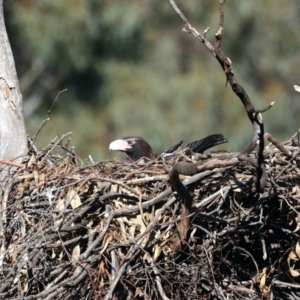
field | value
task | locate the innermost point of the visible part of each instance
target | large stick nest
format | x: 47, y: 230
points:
x: 117, y: 230
x: 108, y: 230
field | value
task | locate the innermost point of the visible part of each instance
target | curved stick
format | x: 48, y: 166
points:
x: 253, y: 114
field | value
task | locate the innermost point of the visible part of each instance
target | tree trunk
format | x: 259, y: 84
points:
x: 13, y: 144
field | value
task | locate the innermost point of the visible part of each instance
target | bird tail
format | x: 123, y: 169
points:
x: 208, y: 142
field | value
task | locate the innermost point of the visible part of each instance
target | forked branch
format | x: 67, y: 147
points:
x: 253, y: 114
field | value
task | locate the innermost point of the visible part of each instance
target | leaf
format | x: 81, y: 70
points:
x: 298, y: 250
x: 36, y: 177
x: 157, y: 252
x: 123, y: 230
x: 293, y: 256
x: 132, y: 229
x: 60, y: 204
x: 296, y: 190
x: 76, y: 252
x: 74, y: 199
x: 114, y: 188
x: 32, y: 161
x: 41, y: 181
x: 263, y: 281
x: 294, y: 273
x: 297, y: 219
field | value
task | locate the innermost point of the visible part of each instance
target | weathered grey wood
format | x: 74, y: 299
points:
x: 12, y: 129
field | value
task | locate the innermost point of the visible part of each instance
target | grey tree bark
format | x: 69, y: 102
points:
x: 13, y: 144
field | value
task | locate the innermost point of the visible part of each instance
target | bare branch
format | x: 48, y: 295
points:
x: 47, y: 117
x: 253, y: 115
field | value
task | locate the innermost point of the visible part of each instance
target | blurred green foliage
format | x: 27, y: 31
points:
x: 130, y: 70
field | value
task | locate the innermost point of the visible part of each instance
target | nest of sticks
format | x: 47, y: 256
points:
x: 110, y: 230
x: 223, y: 226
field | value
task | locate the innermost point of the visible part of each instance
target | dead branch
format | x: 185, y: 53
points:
x: 33, y: 139
x: 254, y: 115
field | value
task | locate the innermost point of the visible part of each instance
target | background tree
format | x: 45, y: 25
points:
x: 12, y: 129
x: 130, y: 71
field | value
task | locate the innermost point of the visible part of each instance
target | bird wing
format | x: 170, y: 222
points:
x: 208, y: 142
x: 173, y: 148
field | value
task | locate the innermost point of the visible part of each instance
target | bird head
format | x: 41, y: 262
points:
x: 134, y: 147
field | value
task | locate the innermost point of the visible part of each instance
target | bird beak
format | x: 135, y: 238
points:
x: 119, y: 145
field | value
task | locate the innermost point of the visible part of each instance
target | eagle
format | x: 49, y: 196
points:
x: 136, y: 147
